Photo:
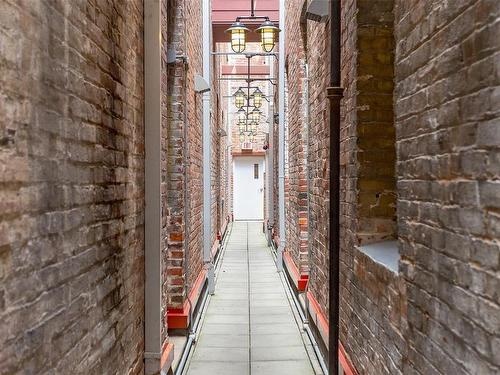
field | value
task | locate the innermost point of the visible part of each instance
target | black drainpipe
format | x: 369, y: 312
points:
x: 334, y: 94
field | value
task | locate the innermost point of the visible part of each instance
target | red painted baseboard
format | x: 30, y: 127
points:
x: 179, y: 318
x: 300, y: 280
x: 319, y: 319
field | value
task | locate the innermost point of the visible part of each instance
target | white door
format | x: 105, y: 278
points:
x: 248, y: 181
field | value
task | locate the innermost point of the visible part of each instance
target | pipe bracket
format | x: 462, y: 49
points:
x: 334, y: 92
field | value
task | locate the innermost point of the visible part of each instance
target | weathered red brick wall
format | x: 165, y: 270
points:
x: 447, y: 111
x: 317, y: 59
x: 375, y: 131
x: 165, y: 122
x: 184, y: 161
x: 372, y: 309
x: 195, y: 137
x: 438, y: 314
x: 71, y: 187
x: 297, y: 138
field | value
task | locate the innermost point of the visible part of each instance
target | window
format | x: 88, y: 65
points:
x: 256, y: 171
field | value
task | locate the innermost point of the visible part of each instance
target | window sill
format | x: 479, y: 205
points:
x: 385, y: 253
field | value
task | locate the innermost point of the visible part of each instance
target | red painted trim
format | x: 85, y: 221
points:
x: 167, y: 357
x: 299, y: 279
x: 179, y: 318
x: 323, y: 328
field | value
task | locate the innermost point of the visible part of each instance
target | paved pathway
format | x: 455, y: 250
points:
x: 249, y: 327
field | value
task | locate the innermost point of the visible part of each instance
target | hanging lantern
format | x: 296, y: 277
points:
x: 242, y: 116
x: 253, y: 128
x: 241, y: 128
x: 238, y: 36
x: 251, y: 138
x: 242, y: 137
x: 267, y: 31
x: 239, y: 98
x: 257, y: 98
x: 254, y: 116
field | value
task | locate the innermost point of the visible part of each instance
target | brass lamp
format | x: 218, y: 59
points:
x: 257, y: 98
x: 238, y: 36
x: 254, y: 116
x: 267, y: 31
x: 239, y: 98
x: 242, y: 116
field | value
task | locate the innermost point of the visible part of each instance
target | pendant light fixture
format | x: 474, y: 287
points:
x: 238, y: 33
x: 267, y: 32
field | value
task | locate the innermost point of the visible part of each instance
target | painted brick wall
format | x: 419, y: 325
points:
x: 447, y: 111
x: 71, y: 187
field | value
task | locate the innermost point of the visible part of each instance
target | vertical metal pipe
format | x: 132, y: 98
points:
x: 186, y: 161
x: 207, y: 203
x: 334, y: 93
x: 152, y: 238
x: 281, y: 136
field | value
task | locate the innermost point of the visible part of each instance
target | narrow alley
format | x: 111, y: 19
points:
x: 249, y: 326
x: 249, y: 187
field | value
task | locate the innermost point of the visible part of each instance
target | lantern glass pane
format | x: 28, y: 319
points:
x: 255, y: 116
x: 239, y: 101
x: 242, y: 138
x: 238, y: 40
x: 242, y: 116
x: 267, y: 39
x: 257, y: 100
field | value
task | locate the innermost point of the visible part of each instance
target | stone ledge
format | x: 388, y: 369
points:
x: 385, y: 253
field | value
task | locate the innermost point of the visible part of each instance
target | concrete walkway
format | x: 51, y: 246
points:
x: 249, y: 327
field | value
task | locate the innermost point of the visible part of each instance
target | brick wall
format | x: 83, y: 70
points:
x: 297, y: 139
x: 438, y: 313
x: 372, y: 310
x: 376, y: 151
x: 71, y: 187
x: 184, y: 161
x: 317, y: 36
x: 447, y: 118
x: 165, y: 123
